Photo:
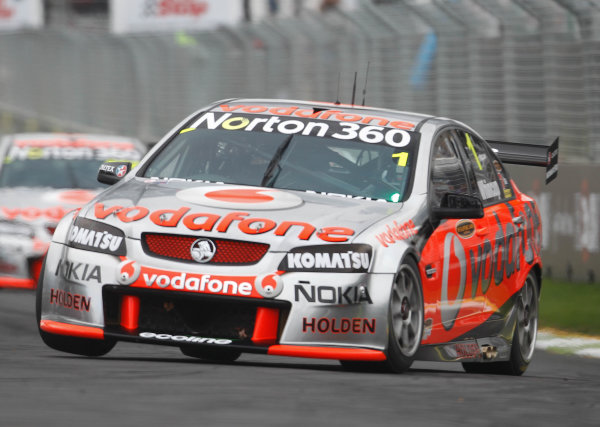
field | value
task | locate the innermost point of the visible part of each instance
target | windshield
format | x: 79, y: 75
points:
x: 54, y: 173
x: 303, y: 158
x: 47, y: 163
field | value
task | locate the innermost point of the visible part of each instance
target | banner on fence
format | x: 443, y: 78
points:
x: 21, y: 14
x: 135, y: 16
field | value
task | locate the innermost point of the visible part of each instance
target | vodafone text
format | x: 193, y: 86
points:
x: 204, y: 283
x: 212, y: 222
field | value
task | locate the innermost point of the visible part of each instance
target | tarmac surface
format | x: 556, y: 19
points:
x: 146, y: 385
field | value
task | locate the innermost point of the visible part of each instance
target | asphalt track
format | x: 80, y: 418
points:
x: 145, y: 385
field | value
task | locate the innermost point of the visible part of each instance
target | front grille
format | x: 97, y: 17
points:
x: 227, y: 251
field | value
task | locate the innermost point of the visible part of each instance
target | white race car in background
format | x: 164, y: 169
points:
x: 43, y: 176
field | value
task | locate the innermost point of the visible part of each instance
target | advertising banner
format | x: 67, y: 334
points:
x: 136, y: 16
x: 21, y: 14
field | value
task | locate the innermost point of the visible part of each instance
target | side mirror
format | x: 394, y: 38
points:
x: 458, y: 206
x: 112, y: 172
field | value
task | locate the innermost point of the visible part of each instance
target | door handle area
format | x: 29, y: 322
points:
x: 481, y: 231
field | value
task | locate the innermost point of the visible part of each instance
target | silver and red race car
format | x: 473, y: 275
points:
x: 370, y: 236
x: 43, y: 176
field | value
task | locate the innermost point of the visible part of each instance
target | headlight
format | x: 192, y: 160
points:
x: 353, y: 258
x: 16, y: 228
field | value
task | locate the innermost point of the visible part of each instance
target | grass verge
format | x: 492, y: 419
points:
x: 571, y: 307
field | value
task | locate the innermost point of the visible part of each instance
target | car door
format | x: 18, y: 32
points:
x: 450, y: 259
x: 497, y: 258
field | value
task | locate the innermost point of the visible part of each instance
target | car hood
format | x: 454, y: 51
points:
x: 45, y: 205
x: 281, y: 218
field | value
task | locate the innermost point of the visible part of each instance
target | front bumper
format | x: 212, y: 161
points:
x: 20, y: 261
x: 317, y: 315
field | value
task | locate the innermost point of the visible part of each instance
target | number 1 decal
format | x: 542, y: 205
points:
x: 402, y: 158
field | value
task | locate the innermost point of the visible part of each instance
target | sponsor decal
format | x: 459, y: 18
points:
x: 32, y: 213
x: 97, y: 237
x: 332, y: 258
x: 121, y: 171
x: 201, y: 283
x: 242, y: 197
x: 326, y: 325
x: 69, y: 300
x: 465, y: 228
x: 488, y: 190
x: 203, y: 250
x: 69, y: 153
x: 318, y: 113
x: 468, y: 350
x: 107, y: 168
x: 354, y: 294
x: 396, y: 232
x: 78, y: 271
x: 185, y: 338
x: 268, y: 285
x: 491, y: 261
x: 344, y: 130
x: 427, y: 327
x: 345, y: 196
x: 196, y: 221
x: 128, y: 272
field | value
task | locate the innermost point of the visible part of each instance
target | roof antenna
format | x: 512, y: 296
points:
x: 337, y: 99
x: 354, y: 88
x: 365, y: 87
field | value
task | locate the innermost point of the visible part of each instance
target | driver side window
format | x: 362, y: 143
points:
x: 447, y: 171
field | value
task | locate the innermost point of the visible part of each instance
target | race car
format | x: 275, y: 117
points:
x: 292, y: 228
x: 43, y: 176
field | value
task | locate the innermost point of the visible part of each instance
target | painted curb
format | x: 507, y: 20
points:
x: 565, y: 343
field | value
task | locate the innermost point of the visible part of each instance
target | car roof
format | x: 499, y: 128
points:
x: 337, y: 110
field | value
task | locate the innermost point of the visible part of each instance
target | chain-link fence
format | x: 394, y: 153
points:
x: 517, y: 70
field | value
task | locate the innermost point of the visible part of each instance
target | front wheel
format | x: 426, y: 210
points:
x: 405, y: 317
x: 524, y: 337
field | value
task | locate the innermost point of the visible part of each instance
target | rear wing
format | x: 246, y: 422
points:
x: 530, y: 155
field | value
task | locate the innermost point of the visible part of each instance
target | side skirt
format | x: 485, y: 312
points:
x: 489, y: 342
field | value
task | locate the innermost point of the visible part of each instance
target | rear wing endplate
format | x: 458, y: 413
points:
x: 530, y: 155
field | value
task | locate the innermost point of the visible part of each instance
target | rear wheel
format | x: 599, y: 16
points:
x: 212, y: 354
x: 82, y: 346
x: 523, y: 342
x: 405, y: 317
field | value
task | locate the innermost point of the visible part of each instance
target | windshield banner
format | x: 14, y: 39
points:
x: 371, y: 134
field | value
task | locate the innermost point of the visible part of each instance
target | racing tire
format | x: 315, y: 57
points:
x: 406, y: 310
x: 211, y: 354
x: 524, y: 337
x: 81, y: 346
